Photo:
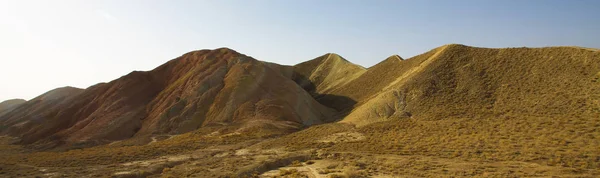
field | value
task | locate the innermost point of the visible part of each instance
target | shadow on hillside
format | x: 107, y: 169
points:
x: 342, y: 104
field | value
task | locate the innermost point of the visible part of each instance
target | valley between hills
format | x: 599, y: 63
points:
x: 454, y: 111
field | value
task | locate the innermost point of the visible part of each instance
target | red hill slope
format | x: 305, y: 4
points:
x: 200, y: 88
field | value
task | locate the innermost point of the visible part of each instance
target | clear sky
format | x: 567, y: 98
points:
x: 48, y: 44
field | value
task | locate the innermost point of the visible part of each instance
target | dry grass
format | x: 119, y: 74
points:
x: 306, y: 138
x: 563, y: 142
x: 468, y: 81
x: 537, y: 105
x: 455, y: 111
x: 111, y: 154
x: 461, y: 81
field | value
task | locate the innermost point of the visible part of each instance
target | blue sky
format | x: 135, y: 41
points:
x: 50, y: 44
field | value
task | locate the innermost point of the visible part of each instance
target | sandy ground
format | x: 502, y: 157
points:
x: 243, y: 159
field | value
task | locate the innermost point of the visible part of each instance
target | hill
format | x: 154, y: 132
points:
x: 8, y: 105
x: 325, y: 74
x: 463, y: 81
x: 32, y: 109
x: 454, y: 111
x: 536, y: 106
x: 202, y: 88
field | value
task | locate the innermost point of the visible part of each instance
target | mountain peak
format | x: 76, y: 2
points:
x: 332, y: 55
x: 395, y: 57
x: 336, y: 57
x: 392, y: 60
x: 226, y: 50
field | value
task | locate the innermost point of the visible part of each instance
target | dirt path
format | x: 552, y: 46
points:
x: 310, y: 169
x: 158, y: 138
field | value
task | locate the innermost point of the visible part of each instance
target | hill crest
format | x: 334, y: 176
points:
x: 223, y: 87
x: 9, y: 105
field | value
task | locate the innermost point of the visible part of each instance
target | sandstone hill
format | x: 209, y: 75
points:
x: 202, y: 88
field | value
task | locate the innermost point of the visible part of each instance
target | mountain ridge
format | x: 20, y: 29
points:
x: 454, y: 110
x: 205, y: 88
x: 194, y: 90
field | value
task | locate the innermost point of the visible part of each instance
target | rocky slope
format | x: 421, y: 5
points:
x: 454, y: 111
x: 224, y: 88
x: 202, y: 88
x: 532, y: 106
x: 463, y: 81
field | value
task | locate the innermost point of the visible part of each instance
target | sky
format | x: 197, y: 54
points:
x: 50, y: 44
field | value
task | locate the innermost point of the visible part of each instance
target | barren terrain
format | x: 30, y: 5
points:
x: 454, y: 111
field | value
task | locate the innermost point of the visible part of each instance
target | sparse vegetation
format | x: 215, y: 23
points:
x: 291, y: 173
x: 107, y: 154
x: 455, y: 111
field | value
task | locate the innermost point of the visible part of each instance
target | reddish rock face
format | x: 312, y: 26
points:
x: 200, y: 88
